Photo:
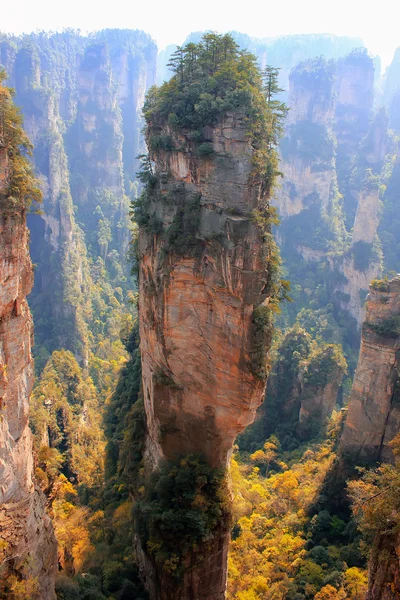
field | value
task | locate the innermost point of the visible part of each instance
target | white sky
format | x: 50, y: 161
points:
x: 170, y: 21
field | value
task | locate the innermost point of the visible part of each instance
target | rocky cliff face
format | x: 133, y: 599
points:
x: 374, y: 410
x: 81, y: 99
x: 329, y: 199
x: 307, y: 149
x: 302, y: 389
x: 319, y: 384
x: 202, y: 280
x: 201, y: 306
x: 384, y: 569
x: 27, y: 544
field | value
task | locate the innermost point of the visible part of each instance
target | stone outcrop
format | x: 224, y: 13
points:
x: 374, y: 408
x: 332, y: 158
x: 303, y: 386
x: 373, y: 421
x: 81, y: 98
x: 307, y: 148
x: 384, y: 568
x: 201, y: 307
x: 200, y: 283
x: 362, y: 264
x: 318, y: 397
x: 354, y: 87
x: 27, y: 543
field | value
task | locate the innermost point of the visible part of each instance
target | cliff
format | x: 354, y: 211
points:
x: 27, y: 544
x: 205, y: 295
x: 81, y: 99
x: 384, y: 568
x: 374, y: 415
x: 302, y: 391
x: 201, y: 306
x: 320, y: 380
x: 307, y: 148
x: 332, y: 160
x: 363, y: 260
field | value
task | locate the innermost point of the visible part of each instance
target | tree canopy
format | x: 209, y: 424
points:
x: 211, y: 79
x: 22, y: 187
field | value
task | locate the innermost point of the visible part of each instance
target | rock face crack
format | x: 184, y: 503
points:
x: 25, y: 529
x: 196, y: 305
x: 373, y: 418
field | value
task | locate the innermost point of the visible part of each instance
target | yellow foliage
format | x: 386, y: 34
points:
x: 355, y: 583
x: 328, y: 592
x: 271, y: 513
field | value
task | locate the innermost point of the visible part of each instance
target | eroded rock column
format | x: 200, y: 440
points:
x: 374, y: 408
x: 28, y: 551
x: 203, y: 277
x: 27, y: 544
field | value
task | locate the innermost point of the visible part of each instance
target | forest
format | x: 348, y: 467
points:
x: 125, y: 187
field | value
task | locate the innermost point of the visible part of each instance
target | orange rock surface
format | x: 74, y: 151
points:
x: 196, y: 319
x: 374, y: 412
x: 196, y: 311
x: 27, y: 543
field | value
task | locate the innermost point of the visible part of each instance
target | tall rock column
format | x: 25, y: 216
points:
x: 374, y: 406
x: 205, y: 292
x: 27, y: 544
x: 198, y: 291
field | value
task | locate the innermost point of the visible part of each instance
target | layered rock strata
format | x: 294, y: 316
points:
x: 27, y: 543
x: 374, y: 407
x: 202, y: 275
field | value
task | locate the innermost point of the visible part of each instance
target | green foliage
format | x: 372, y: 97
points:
x: 376, y: 508
x: 22, y: 187
x: 362, y: 254
x: 300, y: 365
x: 205, y: 149
x: 389, y: 328
x: 261, y: 339
x: 212, y: 79
x: 286, y: 543
x: 65, y: 409
x: 185, y: 506
x: 314, y: 72
x: 92, y: 517
x: 323, y: 363
x: 124, y: 419
x: 390, y: 220
x: 380, y: 285
x: 181, y: 234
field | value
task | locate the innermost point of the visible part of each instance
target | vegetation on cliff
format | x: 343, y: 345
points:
x: 212, y: 79
x: 375, y: 506
x: 286, y: 542
x: 91, y: 509
x: 303, y: 367
x: 182, y: 509
x: 216, y: 93
x: 22, y: 188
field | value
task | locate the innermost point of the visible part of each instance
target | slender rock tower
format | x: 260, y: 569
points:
x: 207, y: 288
x: 28, y: 555
x: 373, y: 419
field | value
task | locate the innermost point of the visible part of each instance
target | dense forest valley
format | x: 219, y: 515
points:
x: 207, y: 226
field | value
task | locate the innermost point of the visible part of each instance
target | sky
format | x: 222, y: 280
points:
x: 170, y: 21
